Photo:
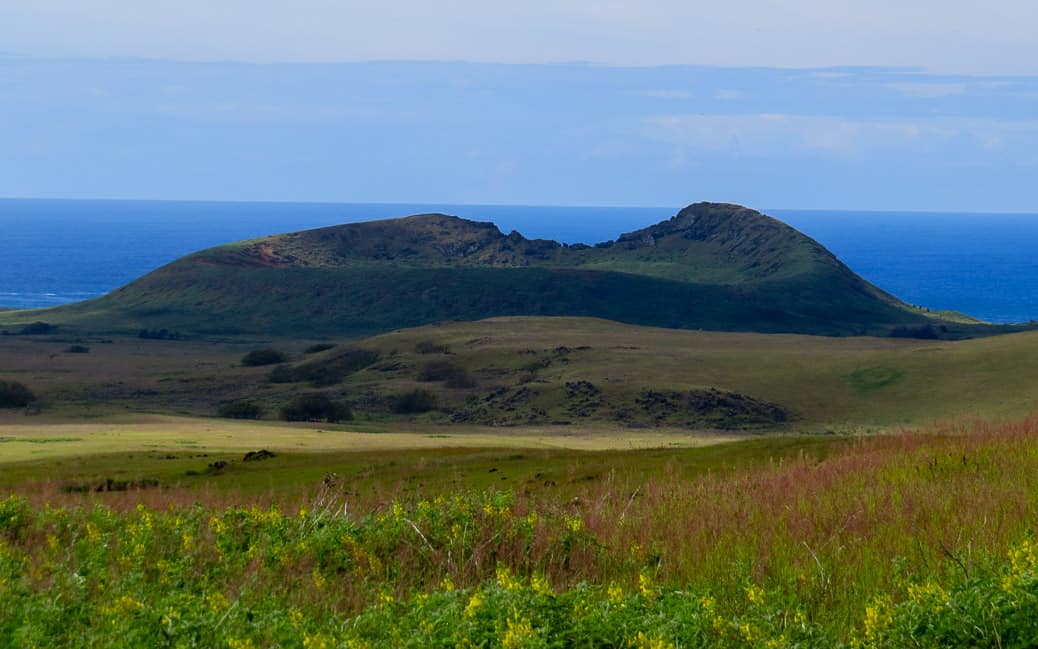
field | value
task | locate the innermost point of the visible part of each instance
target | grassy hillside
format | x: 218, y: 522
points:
x: 564, y: 375
x: 713, y: 266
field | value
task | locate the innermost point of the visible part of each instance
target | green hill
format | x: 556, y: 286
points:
x: 712, y: 266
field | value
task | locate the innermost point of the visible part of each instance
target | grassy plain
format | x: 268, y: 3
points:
x: 824, y: 384
x: 917, y: 539
x: 892, y: 509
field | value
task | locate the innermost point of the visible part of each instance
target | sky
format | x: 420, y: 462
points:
x: 805, y: 104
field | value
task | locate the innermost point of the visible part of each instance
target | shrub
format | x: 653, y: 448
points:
x: 158, y: 334
x: 332, y: 370
x: 241, y: 410
x: 429, y: 347
x: 319, y: 347
x: 15, y: 395
x: 414, y: 402
x: 258, y: 357
x: 455, y: 376
x: 36, y: 328
x: 316, y: 407
x: 77, y: 349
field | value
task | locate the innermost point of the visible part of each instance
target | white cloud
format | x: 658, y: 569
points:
x: 664, y: 93
x: 763, y: 135
x: 928, y: 90
x: 984, y: 36
x: 725, y: 94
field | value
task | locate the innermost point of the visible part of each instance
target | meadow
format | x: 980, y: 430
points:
x: 913, y: 539
x: 517, y: 371
x: 893, y: 508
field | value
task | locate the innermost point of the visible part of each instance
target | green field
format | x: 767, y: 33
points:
x: 566, y: 374
x: 578, y: 483
x: 887, y: 541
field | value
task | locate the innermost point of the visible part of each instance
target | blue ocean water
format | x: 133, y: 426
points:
x: 59, y: 251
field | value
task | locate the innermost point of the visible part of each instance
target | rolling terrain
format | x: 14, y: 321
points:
x: 712, y: 266
x: 562, y: 374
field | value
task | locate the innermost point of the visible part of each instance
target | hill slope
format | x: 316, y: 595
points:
x: 711, y: 266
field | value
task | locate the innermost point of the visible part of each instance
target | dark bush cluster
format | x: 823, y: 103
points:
x: 429, y: 347
x: 36, y: 328
x: 414, y: 402
x: 326, y: 372
x: 158, y: 334
x: 453, y: 375
x: 15, y: 395
x: 241, y: 410
x: 316, y: 407
x: 77, y: 349
x: 267, y: 356
x: 283, y: 374
x: 319, y: 347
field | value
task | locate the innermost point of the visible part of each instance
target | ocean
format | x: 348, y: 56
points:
x: 60, y: 251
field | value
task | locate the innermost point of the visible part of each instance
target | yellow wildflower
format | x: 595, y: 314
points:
x: 506, y: 580
x: 645, y: 585
x: 319, y: 580
x: 540, y: 585
x: 643, y: 641
x: 615, y: 593
x: 755, y: 594
x: 475, y: 602
x: 748, y: 632
x: 877, y: 618
x: 319, y: 641
x: 217, y: 601
x: 517, y: 632
x: 776, y: 643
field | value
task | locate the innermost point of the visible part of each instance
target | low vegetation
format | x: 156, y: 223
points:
x: 414, y: 402
x: 893, y: 541
x: 316, y: 407
x: 15, y: 395
x: 241, y: 410
x: 267, y: 356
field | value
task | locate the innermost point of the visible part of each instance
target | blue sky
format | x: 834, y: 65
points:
x: 797, y: 105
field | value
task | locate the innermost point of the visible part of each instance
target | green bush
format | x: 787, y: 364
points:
x: 429, y: 347
x: 414, y: 402
x: 319, y: 347
x: 77, y: 349
x: 241, y: 410
x: 453, y: 375
x: 332, y: 370
x: 258, y: 357
x: 158, y: 334
x: 15, y: 395
x: 316, y: 407
x: 37, y: 328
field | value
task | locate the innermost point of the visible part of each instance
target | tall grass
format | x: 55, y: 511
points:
x: 845, y: 549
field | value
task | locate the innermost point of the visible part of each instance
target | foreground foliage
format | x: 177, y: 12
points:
x: 915, y: 540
